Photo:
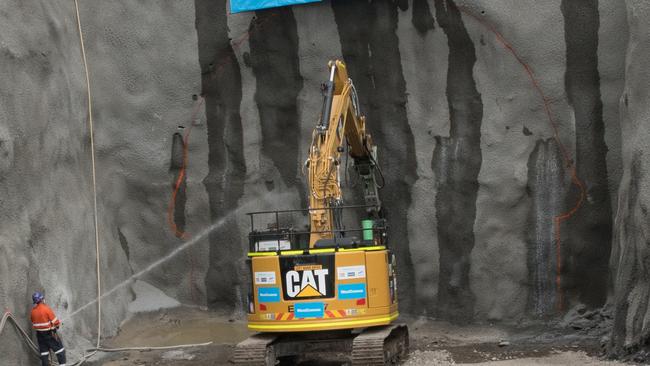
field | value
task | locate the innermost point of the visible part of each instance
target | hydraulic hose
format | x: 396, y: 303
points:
x: 8, y: 317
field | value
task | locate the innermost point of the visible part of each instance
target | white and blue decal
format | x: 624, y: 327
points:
x: 268, y: 294
x: 350, y: 291
x: 309, y: 310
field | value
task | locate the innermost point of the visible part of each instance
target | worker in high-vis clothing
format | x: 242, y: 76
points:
x: 46, y: 324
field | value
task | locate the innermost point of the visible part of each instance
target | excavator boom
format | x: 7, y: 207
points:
x: 341, y: 126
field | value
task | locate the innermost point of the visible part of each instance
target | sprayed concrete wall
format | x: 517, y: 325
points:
x: 630, y: 252
x: 46, y: 222
x: 482, y: 110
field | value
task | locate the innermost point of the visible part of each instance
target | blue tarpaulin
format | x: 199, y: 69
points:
x: 237, y: 6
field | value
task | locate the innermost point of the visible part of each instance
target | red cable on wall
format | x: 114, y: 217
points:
x: 177, y: 186
x: 179, y: 180
x: 181, y: 234
x: 557, y: 220
x: 181, y: 175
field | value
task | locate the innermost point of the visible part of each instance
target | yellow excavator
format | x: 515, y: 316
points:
x: 332, y: 286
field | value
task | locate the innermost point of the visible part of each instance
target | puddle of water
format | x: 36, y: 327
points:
x: 180, y: 328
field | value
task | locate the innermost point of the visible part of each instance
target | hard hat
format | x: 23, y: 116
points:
x: 37, y: 297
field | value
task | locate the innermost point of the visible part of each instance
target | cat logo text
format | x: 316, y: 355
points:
x: 306, y: 281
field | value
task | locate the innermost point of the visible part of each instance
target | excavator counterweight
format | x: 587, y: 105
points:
x: 330, y: 285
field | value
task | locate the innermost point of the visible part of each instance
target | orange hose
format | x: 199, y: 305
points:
x: 181, y: 175
x: 179, y: 180
x: 557, y: 220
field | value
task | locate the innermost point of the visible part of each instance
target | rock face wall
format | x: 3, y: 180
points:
x: 630, y: 252
x: 46, y: 222
x: 456, y: 164
x: 482, y: 111
x: 591, y: 227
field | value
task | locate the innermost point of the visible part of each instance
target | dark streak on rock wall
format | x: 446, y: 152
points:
x: 176, y: 161
x: 222, y: 90
x: 587, y: 255
x: 632, y: 283
x: 457, y: 162
x: 545, y: 188
x: 175, y: 166
x: 371, y: 52
x: 274, y: 59
x: 422, y: 18
x: 124, y: 243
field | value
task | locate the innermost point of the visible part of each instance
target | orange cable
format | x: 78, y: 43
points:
x: 170, y: 209
x: 557, y: 220
x: 181, y: 175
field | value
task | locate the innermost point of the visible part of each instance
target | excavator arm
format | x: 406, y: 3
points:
x: 341, y: 125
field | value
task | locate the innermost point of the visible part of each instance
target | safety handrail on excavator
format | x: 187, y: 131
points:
x: 277, y: 232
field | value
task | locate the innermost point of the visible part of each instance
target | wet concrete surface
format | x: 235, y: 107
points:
x: 432, y: 342
x: 458, y: 70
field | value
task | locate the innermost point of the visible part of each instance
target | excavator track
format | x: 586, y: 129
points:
x: 380, y: 346
x: 256, y: 350
x: 377, y: 346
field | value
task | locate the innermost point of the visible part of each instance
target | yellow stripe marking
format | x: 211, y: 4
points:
x: 316, y: 251
x: 261, y: 254
x: 322, y: 325
x: 380, y: 247
x: 332, y: 250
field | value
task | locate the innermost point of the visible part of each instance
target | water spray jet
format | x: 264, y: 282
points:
x: 136, y: 276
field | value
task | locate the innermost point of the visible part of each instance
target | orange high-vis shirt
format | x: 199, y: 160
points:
x: 43, y: 318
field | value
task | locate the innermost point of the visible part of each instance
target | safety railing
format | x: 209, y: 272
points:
x: 282, y: 233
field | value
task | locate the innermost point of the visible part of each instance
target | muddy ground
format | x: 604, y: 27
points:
x: 432, y: 342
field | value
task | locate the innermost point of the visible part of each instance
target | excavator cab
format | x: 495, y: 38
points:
x: 328, y: 284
